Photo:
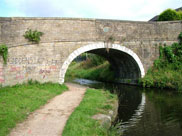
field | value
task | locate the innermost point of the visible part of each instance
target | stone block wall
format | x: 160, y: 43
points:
x: 62, y: 36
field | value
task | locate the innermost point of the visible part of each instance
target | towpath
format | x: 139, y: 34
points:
x: 50, y: 119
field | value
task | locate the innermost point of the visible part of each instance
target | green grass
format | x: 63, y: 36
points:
x: 81, y: 123
x: 18, y: 101
x: 102, y: 72
x: 163, y: 78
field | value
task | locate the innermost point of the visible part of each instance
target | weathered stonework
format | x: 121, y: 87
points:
x: 134, y: 48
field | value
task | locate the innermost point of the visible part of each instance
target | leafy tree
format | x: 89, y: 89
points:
x: 180, y: 14
x: 170, y: 15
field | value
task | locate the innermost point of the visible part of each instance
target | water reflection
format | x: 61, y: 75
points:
x: 135, y: 118
x: 161, y: 116
x: 129, y: 101
x: 146, y: 113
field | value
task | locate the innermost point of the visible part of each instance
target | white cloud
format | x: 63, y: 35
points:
x: 111, y: 9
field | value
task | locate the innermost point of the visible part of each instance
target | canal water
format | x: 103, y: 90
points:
x: 144, y: 112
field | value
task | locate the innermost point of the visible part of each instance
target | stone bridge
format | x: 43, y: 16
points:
x: 132, y: 46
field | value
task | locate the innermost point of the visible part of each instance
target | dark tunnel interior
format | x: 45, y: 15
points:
x: 124, y: 65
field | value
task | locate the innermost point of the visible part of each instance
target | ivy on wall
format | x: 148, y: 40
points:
x: 33, y: 36
x: 4, y: 52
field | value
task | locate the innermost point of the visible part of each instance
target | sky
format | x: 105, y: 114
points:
x: 136, y: 10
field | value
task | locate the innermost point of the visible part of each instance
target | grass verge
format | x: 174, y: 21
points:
x: 102, y: 72
x: 81, y: 123
x: 163, y: 78
x: 18, y: 101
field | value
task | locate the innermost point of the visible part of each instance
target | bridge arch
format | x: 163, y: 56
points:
x: 97, y: 46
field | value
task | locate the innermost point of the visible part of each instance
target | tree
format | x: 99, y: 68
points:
x: 170, y: 15
x: 180, y: 14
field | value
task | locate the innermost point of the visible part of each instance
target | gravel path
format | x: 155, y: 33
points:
x: 50, y: 119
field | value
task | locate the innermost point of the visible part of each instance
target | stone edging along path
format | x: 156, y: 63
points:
x: 50, y: 119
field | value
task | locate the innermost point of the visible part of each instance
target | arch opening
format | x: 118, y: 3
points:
x: 126, y: 64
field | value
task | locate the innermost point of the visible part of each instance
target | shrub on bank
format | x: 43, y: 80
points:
x: 167, y: 69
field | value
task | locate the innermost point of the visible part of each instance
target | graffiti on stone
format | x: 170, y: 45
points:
x: 44, y: 71
x: 29, y: 69
x: 33, y: 61
x: 53, y: 67
x: 15, y: 69
x: 19, y: 76
x: 1, y: 80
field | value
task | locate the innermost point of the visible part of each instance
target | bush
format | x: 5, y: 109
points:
x: 170, y: 15
x: 180, y: 14
x: 95, y: 59
x: 180, y: 38
x: 33, y: 36
x: 167, y: 69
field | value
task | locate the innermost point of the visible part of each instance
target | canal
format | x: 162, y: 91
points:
x: 144, y: 112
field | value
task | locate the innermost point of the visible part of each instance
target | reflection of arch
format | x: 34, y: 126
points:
x: 135, y: 117
x: 94, y: 46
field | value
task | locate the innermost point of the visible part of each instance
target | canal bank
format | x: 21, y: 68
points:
x: 144, y: 112
x: 94, y: 115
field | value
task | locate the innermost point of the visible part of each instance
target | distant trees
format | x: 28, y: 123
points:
x: 170, y: 15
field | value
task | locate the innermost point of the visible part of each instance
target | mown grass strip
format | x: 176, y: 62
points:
x: 18, y: 101
x: 81, y: 123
